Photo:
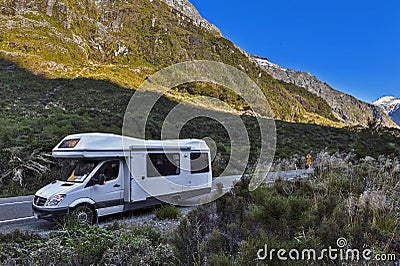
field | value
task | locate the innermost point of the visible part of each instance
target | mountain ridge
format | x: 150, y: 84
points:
x: 346, y: 107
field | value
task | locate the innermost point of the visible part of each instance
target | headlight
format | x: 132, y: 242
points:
x: 55, y: 200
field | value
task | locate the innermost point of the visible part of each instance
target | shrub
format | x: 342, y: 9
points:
x: 167, y: 212
x: 220, y: 259
x: 147, y: 232
x: 52, y: 252
x: 130, y: 249
x: 189, y: 239
x: 357, y: 199
x: 91, y: 245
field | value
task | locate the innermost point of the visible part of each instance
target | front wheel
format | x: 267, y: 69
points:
x: 83, y: 215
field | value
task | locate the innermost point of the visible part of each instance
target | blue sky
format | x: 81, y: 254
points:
x: 352, y: 45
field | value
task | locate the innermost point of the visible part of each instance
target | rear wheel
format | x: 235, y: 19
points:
x: 83, y: 215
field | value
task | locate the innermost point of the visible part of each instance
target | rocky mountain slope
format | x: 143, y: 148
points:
x: 345, y: 107
x: 391, y: 106
x: 125, y: 41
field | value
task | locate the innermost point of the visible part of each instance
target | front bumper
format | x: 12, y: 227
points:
x: 49, y: 214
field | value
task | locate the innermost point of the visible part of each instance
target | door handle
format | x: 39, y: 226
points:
x: 117, y: 185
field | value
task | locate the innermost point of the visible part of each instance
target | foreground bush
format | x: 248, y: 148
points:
x: 167, y: 212
x: 138, y: 245
x: 357, y: 199
x: 351, y: 198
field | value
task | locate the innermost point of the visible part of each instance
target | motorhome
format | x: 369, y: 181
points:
x: 113, y: 174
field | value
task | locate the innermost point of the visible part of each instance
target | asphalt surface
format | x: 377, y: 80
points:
x: 16, y: 213
x: 15, y: 207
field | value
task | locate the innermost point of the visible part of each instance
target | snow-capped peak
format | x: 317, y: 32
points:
x: 389, y: 104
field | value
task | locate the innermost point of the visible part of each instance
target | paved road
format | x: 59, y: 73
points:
x: 16, y: 212
x: 288, y: 175
x: 15, y: 208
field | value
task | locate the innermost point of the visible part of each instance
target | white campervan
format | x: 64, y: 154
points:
x: 116, y: 173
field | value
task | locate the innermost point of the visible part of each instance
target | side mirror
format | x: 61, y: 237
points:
x: 102, y: 179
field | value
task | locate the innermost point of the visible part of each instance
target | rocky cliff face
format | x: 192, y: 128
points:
x: 345, y: 107
x: 188, y: 11
x: 182, y: 8
x: 105, y: 30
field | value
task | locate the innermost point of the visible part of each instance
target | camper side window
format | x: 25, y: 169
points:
x: 163, y: 164
x: 199, y: 163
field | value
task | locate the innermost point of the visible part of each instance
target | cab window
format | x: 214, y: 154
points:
x: 81, y: 170
x: 110, y: 170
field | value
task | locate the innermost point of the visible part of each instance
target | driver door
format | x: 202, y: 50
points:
x: 106, y: 189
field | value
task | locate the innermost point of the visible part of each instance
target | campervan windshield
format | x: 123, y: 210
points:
x: 81, y: 171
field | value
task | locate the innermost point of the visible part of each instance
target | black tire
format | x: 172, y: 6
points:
x: 83, y: 215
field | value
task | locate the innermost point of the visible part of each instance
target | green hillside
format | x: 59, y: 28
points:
x: 123, y: 42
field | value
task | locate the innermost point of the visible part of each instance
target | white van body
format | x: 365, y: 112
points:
x: 161, y: 170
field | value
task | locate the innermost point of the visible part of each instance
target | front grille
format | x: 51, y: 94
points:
x: 39, y: 201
